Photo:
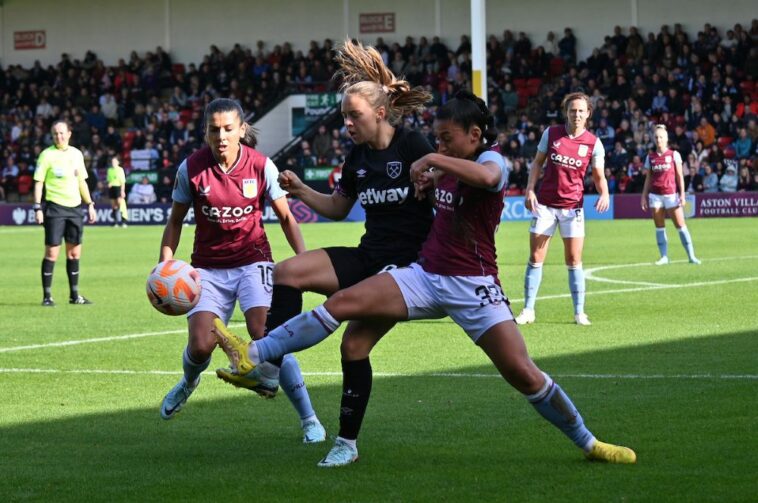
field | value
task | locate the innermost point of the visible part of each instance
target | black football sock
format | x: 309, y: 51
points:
x: 356, y: 390
x: 47, y: 277
x: 286, y: 303
x: 72, y: 269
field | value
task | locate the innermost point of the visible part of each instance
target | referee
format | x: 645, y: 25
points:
x: 61, y: 172
x: 116, y: 190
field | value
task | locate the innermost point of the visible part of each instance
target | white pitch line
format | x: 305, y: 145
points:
x: 590, y: 273
x: 98, y: 339
x: 545, y: 297
x: 590, y: 276
x: 748, y: 377
x: 644, y: 289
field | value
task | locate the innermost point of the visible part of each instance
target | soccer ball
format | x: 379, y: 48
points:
x: 173, y: 287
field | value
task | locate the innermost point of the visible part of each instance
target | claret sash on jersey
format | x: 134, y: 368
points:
x: 228, y: 209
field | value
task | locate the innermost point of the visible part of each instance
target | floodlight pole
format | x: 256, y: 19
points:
x: 478, y: 48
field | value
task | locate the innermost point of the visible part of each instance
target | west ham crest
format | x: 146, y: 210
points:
x: 394, y: 168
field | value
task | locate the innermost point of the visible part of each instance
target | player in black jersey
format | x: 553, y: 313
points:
x: 376, y: 173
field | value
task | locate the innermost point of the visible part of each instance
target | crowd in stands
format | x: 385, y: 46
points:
x: 148, y: 110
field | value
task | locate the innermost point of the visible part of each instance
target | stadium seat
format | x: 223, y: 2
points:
x: 747, y: 86
x: 520, y: 83
x: 534, y: 82
x: 128, y: 140
x: 126, y: 158
x: 185, y: 115
x: 724, y: 141
x: 729, y: 152
x: 177, y: 69
x: 25, y: 184
x: 523, y: 97
x: 556, y: 67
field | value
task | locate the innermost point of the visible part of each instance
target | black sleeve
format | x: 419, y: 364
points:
x: 415, y: 146
x: 347, y: 183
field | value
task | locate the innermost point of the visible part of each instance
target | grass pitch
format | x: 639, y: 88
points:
x: 669, y: 368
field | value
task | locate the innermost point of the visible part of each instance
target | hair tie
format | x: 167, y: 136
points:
x: 386, y: 89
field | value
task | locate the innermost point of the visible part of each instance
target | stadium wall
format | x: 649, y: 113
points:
x: 737, y: 204
x: 186, y: 28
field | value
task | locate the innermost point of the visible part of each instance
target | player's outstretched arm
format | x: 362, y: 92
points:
x: 289, y: 225
x: 485, y: 175
x: 333, y: 206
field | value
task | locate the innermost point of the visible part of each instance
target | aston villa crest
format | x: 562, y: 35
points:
x: 394, y: 168
x: 249, y: 187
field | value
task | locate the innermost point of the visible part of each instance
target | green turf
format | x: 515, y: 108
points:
x: 666, y: 368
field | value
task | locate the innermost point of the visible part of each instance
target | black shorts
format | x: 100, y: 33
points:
x: 114, y: 192
x: 62, y: 222
x: 353, y: 265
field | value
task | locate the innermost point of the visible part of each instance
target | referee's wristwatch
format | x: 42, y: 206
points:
x: 37, y: 207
